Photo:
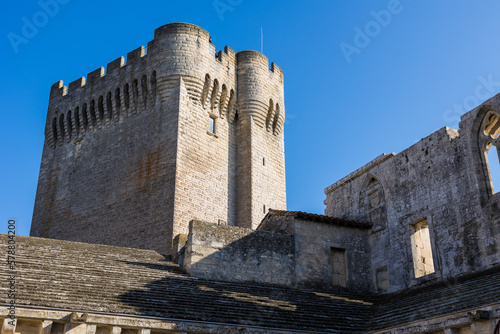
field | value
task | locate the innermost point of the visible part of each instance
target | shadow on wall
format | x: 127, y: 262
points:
x: 235, y: 254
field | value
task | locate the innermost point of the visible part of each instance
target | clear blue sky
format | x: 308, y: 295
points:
x: 400, y: 84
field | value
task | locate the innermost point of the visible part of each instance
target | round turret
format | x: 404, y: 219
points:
x: 260, y: 90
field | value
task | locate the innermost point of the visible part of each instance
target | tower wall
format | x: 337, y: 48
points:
x: 129, y: 158
x: 261, y: 160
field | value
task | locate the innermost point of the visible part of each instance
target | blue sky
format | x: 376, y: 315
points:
x: 349, y: 96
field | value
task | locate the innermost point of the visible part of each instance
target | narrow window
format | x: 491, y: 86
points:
x: 100, y: 107
x: 493, y: 164
x: 339, y: 268
x: 423, y: 263
x: 211, y: 124
x: 144, y: 86
x: 118, y: 102
x: 264, y: 208
x: 126, y: 96
x: 109, y: 105
x: 70, y: 124
x: 263, y: 161
x: 61, y: 126
x: 54, y: 129
x: 77, y: 120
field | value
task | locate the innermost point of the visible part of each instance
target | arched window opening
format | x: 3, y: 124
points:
x: 85, y: 117
x: 423, y: 263
x: 222, y: 103
x: 69, y: 120
x: 61, y: 126
x: 100, y: 107
x: 126, y: 96
x: 490, y: 144
x: 270, y: 113
x: 109, y: 105
x: 206, y: 87
x: 372, y: 203
x: 153, y: 86
x: 215, y: 91
x: 93, y: 117
x: 77, y: 120
x: 276, y: 119
x: 54, y: 130
x: 144, y: 86
x: 493, y: 164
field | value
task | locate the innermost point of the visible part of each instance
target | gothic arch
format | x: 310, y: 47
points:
x: 484, y: 137
x: 372, y: 203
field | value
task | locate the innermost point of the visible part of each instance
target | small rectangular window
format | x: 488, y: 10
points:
x: 339, y: 268
x: 211, y: 124
x: 423, y: 264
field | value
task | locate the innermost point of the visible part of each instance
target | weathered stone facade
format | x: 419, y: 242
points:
x: 231, y: 253
x: 141, y: 156
x: 179, y: 133
x: 432, y: 202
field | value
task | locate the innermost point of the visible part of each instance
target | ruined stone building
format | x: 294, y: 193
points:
x: 161, y: 208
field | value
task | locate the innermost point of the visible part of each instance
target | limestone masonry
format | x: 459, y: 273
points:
x: 177, y: 158
x: 132, y: 154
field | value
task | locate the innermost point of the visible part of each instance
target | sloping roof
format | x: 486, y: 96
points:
x: 465, y: 293
x: 319, y: 218
x: 97, y: 278
x: 88, y: 277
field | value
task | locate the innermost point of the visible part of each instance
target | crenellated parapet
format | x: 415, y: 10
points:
x: 171, y: 132
x: 221, y: 82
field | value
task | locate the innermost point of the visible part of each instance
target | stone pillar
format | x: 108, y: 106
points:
x: 7, y: 327
x: 483, y: 327
x: 91, y: 329
x: 145, y: 331
x: 46, y: 327
x: 116, y: 330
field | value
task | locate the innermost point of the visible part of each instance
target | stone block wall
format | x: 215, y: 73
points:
x: 443, y: 179
x: 129, y: 158
x: 325, y: 249
x: 231, y: 253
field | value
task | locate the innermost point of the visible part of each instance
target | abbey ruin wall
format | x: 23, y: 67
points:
x: 433, y: 207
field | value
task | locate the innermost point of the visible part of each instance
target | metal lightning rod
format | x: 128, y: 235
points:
x: 261, y: 40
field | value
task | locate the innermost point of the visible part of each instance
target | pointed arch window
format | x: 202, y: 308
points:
x: 372, y: 202
x: 489, y: 136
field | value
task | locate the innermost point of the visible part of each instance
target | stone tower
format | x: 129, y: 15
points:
x: 131, y: 155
